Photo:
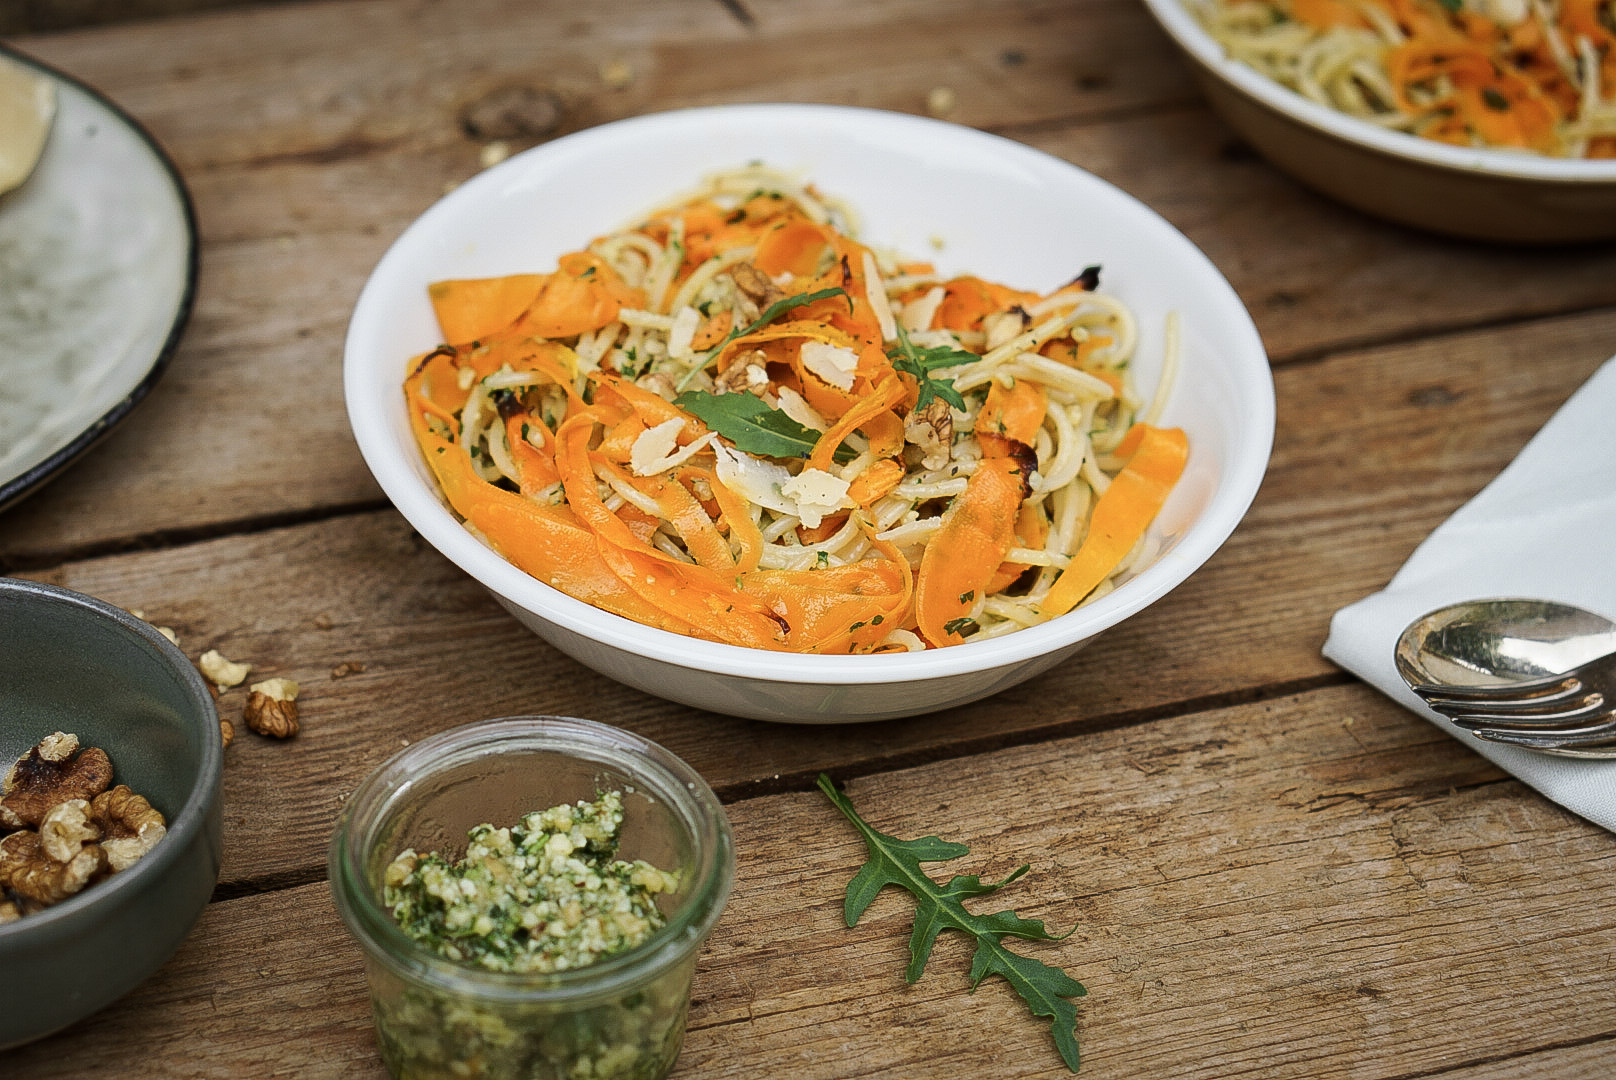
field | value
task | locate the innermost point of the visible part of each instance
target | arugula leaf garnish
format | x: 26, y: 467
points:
x: 770, y: 313
x: 754, y: 426
x: 914, y: 360
x: 892, y: 861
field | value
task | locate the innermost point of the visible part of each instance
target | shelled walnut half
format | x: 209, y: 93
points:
x: 272, y: 708
x: 66, y: 826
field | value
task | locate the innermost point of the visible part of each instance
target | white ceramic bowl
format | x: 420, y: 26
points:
x: 1000, y: 209
x: 1479, y: 194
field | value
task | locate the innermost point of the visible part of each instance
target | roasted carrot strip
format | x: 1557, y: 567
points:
x: 712, y: 330
x: 1327, y: 13
x: 796, y: 247
x: 688, y: 592
x: 978, y: 529
x: 1011, y: 414
x: 885, y: 432
x: 550, y: 544
x: 651, y: 409
x: 882, y: 397
x: 535, y: 468
x: 618, y: 443
x: 695, y: 593
x: 472, y: 308
x: 966, y: 300
x: 1032, y: 529
x: 1156, y: 458
x: 876, y: 481
x: 827, y: 528
x: 583, y: 295
x: 702, y: 538
x: 830, y: 610
x: 737, y: 516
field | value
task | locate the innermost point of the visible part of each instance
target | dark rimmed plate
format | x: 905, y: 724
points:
x: 98, y: 268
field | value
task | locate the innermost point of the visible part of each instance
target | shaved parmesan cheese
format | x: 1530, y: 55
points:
x: 796, y: 406
x: 816, y: 493
x: 809, y: 496
x: 753, y: 478
x: 919, y: 312
x: 1002, y: 326
x: 875, y: 291
x: 833, y: 363
x: 682, y: 331
x: 657, y: 449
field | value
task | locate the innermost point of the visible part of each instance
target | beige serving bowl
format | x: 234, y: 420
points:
x: 1479, y: 194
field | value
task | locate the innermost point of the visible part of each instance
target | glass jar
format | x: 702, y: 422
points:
x: 619, y: 1018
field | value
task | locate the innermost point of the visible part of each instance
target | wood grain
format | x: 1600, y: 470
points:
x: 1316, y: 886
x: 311, y: 134
x: 1374, y: 449
x: 1272, y: 870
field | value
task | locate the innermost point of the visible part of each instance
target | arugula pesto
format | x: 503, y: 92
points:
x: 546, y: 894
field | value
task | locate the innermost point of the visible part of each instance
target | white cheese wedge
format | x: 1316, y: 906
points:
x: 919, y: 312
x: 810, y: 495
x: 27, y: 107
x: 796, y: 406
x: 657, y: 449
x: 833, y: 363
x: 683, y: 330
x: 875, y: 291
x: 753, y: 478
x: 816, y: 493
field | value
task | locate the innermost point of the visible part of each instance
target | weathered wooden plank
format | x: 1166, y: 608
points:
x: 311, y: 135
x: 360, y: 75
x: 1320, y: 886
x: 1316, y: 275
x: 1357, y: 480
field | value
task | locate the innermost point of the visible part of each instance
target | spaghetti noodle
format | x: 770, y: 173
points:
x: 1528, y: 75
x: 734, y: 421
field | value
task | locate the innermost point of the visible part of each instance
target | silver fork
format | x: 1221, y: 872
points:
x: 1574, y: 711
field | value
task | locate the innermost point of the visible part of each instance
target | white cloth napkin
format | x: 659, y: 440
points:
x: 1545, y: 528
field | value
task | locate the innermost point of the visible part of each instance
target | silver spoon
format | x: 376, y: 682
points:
x: 1448, y: 653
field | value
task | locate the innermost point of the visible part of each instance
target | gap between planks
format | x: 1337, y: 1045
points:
x: 804, y: 781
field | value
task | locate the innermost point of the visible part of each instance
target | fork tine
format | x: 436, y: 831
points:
x: 1572, y: 697
x: 1594, y: 735
x: 1559, y: 720
x: 1542, y: 686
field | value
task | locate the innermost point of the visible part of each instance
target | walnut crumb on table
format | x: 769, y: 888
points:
x: 272, y: 708
x: 222, y: 672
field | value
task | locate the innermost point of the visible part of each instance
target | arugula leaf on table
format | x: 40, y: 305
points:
x: 892, y: 861
x: 770, y: 313
x: 920, y: 362
x: 754, y: 426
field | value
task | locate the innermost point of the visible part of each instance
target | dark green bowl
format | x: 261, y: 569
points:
x: 72, y: 663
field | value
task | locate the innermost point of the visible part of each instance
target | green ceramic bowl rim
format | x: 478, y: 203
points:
x: 192, y: 818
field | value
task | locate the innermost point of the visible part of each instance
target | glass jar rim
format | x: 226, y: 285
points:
x: 381, y: 795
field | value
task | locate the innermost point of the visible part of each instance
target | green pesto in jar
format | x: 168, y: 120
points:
x: 544, y: 895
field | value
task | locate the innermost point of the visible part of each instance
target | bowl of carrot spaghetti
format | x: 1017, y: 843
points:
x: 834, y: 415
x: 1483, y: 119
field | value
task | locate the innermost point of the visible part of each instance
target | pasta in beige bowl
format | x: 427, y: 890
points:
x: 1473, y: 192
x: 975, y: 203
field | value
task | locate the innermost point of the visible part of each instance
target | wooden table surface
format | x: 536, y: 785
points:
x: 1273, y: 871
